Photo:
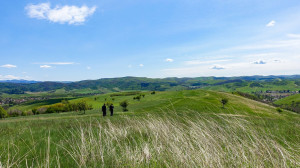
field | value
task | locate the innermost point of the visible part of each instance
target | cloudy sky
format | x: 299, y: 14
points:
x: 70, y: 40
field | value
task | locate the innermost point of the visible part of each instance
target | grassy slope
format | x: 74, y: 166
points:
x: 34, y: 104
x: 288, y: 100
x: 247, y: 89
x: 22, y: 133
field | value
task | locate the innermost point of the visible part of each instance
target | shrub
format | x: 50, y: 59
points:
x: 14, y: 112
x: 137, y: 98
x: 42, y: 110
x: 50, y: 110
x: 279, y: 110
x: 34, y: 111
x: 3, y: 113
x: 29, y: 113
x: 124, y: 104
x: 24, y: 113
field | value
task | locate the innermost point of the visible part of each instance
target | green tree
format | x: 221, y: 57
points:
x: 82, y: 106
x: 34, y: 111
x: 224, y: 101
x: 138, y: 97
x: 124, y: 104
x: 3, y: 113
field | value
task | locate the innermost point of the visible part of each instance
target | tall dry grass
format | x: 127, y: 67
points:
x: 169, y: 140
x: 178, y: 141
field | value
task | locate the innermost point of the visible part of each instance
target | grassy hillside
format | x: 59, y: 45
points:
x: 289, y: 100
x: 167, y: 129
x: 291, y: 103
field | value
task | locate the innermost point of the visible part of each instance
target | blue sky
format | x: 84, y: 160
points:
x: 64, y: 40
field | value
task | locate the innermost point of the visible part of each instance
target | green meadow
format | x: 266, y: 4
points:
x: 289, y: 100
x: 168, y: 129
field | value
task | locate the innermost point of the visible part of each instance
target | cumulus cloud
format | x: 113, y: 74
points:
x: 259, y: 62
x: 271, y: 23
x: 8, y: 66
x: 169, y: 60
x: 141, y: 65
x: 45, y: 66
x: 60, y: 14
x: 217, y: 67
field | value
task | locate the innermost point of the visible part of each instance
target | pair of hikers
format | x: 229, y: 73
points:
x: 111, y: 109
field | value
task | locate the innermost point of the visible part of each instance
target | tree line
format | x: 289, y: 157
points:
x: 64, y: 106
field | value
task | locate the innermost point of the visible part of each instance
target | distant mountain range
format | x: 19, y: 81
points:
x: 142, y: 83
x: 257, y: 77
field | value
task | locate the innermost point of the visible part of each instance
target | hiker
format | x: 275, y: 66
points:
x: 111, y: 109
x: 104, y: 110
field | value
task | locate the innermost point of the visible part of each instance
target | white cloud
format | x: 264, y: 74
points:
x: 217, y: 67
x: 287, y: 67
x: 259, y: 62
x: 275, y: 44
x: 57, y: 63
x: 88, y: 68
x: 169, y: 60
x: 197, y: 62
x: 271, y: 23
x: 60, y: 14
x: 45, y: 66
x: 8, y: 66
x: 141, y: 65
x: 38, y: 11
x: 61, y: 63
x: 277, y: 60
x: 294, y: 35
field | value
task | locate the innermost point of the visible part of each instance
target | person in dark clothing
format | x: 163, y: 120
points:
x: 104, y: 110
x: 111, y: 109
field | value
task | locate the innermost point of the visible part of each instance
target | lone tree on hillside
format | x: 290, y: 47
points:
x: 224, y: 101
x: 124, y: 105
x: 3, y: 113
x: 34, y: 111
x: 83, y: 106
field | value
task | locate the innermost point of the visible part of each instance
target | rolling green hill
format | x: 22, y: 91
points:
x: 290, y: 103
x: 167, y: 129
x: 289, y: 100
x: 245, y: 84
